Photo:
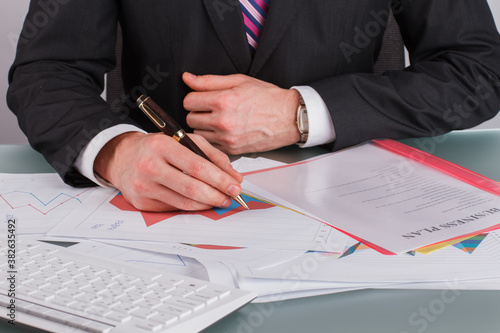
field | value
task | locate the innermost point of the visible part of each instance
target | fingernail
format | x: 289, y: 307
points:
x: 233, y: 190
x: 227, y: 203
x: 190, y: 76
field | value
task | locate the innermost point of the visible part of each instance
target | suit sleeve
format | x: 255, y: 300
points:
x: 452, y: 83
x: 64, y: 50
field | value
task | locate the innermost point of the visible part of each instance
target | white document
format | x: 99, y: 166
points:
x: 393, y: 202
x: 466, y: 264
x: 367, y: 266
x: 266, y: 226
x: 38, y: 201
x: 255, y: 257
x: 159, y: 261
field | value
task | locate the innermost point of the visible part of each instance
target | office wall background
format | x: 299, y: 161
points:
x: 11, y: 20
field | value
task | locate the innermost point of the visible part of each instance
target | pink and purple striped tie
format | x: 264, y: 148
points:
x: 254, y: 15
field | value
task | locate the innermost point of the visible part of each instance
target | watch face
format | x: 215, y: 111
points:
x: 303, y: 121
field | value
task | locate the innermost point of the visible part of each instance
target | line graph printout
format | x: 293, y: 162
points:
x: 38, y: 201
x: 158, y: 261
x: 108, y: 216
x: 368, y: 266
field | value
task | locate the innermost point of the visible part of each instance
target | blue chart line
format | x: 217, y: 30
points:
x: 70, y: 197
x: 182, y: 264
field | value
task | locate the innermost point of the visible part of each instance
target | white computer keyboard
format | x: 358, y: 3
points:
x: 56, y: 289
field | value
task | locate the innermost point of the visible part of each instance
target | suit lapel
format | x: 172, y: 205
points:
x: 228, y: 23
x: 280, y: 16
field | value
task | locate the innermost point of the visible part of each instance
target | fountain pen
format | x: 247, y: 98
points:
x: 170, y: 127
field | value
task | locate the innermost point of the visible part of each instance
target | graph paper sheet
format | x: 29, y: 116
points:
x: 38, y: 201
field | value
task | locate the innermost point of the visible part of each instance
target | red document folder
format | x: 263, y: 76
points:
x: 437, y: 163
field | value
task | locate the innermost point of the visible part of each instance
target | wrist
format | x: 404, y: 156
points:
x: 106, y: 164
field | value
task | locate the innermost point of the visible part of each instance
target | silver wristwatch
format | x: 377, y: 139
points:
x: 302, y: 121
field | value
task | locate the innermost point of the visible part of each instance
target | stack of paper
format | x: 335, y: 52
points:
x: 375, y: 216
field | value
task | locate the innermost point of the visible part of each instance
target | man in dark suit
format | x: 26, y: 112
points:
x: 253, y: 76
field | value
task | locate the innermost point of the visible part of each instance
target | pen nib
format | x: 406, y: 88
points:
x: 242, y: 202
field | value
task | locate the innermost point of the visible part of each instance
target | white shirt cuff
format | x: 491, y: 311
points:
x: 321, y: 127
x: 85, y: 161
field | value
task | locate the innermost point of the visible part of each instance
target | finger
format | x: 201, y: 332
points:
x: 193, y: 194
x: 204, y: 171
x: 213, y: 82
x: 209, y: 135
x: 201, y: 120
x: 218, y: 157
x: 157, y: 197
x: 208, y: 101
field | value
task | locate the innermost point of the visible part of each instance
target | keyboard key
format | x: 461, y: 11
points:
x: 193, y: 304
x: 149, y: 303
x: 132, y: 298
x: 149, y: 326
x: 182, y: 292
x: 176, y: 310
x: 68, y: 278
x: 54, y: 288
x: 26, y: 290
x: 98, y: 311
x: 221, y: 293
x: 79, y: 306
x: 71, y: 293
x: 54, y: 315
x: 145, y: 283
x: 94, y: 288
x: 159, y: 295
x: 76, y: 322
x: 42, y: 295
x: 77, y: 284
x: 146, y: 291
x: 124, y: 308
x: 192, y: 286
x: 164, y: 318
x: 88, y: 298
x: 38, y: 310
x: 107, y: 302
x: 97, y: 327
x: 129, y: 279
x: 93, y: 270
x: 172, y: 281
x: 142, y: 313
x: 63, y: 301
x: 118, y: 317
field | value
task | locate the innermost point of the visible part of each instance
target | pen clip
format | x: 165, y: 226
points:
x: 151, y: 114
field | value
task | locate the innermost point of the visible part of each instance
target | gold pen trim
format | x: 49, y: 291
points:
x: 153, y: 116
x: 179, y: 135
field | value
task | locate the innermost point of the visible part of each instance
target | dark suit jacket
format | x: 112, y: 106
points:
x: 67, y: 45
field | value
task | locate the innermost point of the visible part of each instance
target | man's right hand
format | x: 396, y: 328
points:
x: 156, y: 173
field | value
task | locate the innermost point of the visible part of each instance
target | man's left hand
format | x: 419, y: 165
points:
x: 239, y: 114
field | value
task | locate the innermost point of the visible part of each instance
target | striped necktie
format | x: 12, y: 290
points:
x: 254, y: 15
